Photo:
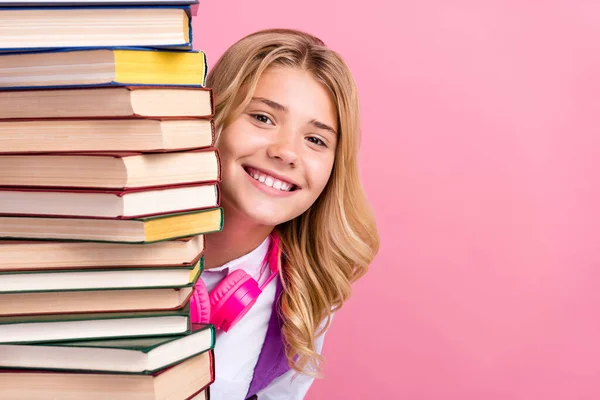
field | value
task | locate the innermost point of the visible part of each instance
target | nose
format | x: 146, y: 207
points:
x: 283, y: 149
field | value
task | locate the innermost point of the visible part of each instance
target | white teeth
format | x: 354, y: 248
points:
x: 270, y: 181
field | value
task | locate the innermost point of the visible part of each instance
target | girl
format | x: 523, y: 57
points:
x: 297, y: 222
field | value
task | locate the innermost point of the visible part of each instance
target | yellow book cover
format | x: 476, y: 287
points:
x: 102, y: 67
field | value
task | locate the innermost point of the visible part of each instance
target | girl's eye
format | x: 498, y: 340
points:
x: 316, y: 141
x: 262, y: 118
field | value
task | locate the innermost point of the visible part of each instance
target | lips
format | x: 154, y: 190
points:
x: 270, y: 180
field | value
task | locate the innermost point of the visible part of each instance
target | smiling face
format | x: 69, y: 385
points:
x: 278, y: 154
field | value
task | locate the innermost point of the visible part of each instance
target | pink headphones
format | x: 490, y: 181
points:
x: 234, y: 296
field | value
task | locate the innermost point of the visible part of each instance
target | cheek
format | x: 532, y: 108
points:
x: 320, y: 173
x: 229, y: 138
x: 230, y: 150
x: 238, y: 141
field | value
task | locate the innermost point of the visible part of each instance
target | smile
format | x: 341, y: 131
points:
x: 269, y: 180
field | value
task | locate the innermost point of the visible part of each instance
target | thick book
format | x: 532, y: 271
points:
x: 102, y: 67
x: 43, y: 255
x: 105, y: 135
x: 138, y: 230
x: 117, y: 171
x: 30, y: 281
x: 130, y: 355
x: 120, y: 204
x: 33, y: 28
x: 107, y: 102
x: 93, y: 301
x: 83, y: 326
x: 186, y: 380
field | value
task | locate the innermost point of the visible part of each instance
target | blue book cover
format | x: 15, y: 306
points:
x: 7, y: 13
x: 59, y: 3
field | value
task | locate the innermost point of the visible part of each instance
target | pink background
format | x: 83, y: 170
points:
x: 481, y: 156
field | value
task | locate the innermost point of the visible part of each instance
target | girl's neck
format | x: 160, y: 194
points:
x: 238, y: 237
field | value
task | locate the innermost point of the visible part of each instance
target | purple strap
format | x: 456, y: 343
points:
x: 272, y: 361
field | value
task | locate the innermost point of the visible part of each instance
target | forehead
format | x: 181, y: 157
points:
x: 299, y: 92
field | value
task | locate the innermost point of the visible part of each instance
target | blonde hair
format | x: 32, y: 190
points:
x: 330, y: 245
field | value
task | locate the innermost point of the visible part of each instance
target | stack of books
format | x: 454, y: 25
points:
x: 108, y: 184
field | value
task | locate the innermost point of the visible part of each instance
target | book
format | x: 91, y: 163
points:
x: 105, y: 135
x: 129, y: 355
x: 185, y: 380
x: 92, y: 27
x: 110, y: 170
x: 138, y: 230
x: 107, y: 102
x: 29, y: 281
x: 41, y: 255
x: 92, y: 301
x: 101, y: 325
x: 120, y: 204
x: 36, y: 3
x: 102, y: 67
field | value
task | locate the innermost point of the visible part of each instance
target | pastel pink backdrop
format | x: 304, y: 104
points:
x: 481, y: 157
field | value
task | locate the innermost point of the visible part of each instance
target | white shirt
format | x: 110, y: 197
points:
x: 237, y: 351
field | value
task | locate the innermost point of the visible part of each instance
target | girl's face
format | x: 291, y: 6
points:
x: 277, y: 156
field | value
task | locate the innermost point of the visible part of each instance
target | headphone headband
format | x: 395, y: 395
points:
x: 273, y: 257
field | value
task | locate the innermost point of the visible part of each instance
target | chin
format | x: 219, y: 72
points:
x: 268, y: 217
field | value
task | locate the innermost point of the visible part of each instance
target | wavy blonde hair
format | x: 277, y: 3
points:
x: 330, y: 245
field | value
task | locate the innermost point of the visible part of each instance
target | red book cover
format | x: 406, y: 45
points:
x: 121, y: 154
x: 129, y: 88
x: 109, y: 151
x: 118, y: 193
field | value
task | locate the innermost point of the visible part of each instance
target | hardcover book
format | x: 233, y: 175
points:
x: 128, y: 355
x: 138, y: 230
x: 82, y: 326
x: 110, y: 170
x: 105, y: 135
x: 186, y: 380
x: 122, y: 204
x: 124, y: 278
x: 92, y: 301
x: 42, y: 255
x: 45, y: 3
x: 102, y: 67
x: 107, y: 102
x: 94, y: 27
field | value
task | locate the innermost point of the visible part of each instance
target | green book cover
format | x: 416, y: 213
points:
x: 90, y: 326
x: 133, y: 355
x: 194, y: 273
x: 25, y: 319
x: 141, y: 344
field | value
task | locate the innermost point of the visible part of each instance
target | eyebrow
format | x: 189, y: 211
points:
x: 321, y: 125
x: 282, y: 108
x: 271, y: 103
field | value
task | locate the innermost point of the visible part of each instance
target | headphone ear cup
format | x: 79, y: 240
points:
x: 200, y: 304
x: 232, y: 299
x: 226, y: 285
